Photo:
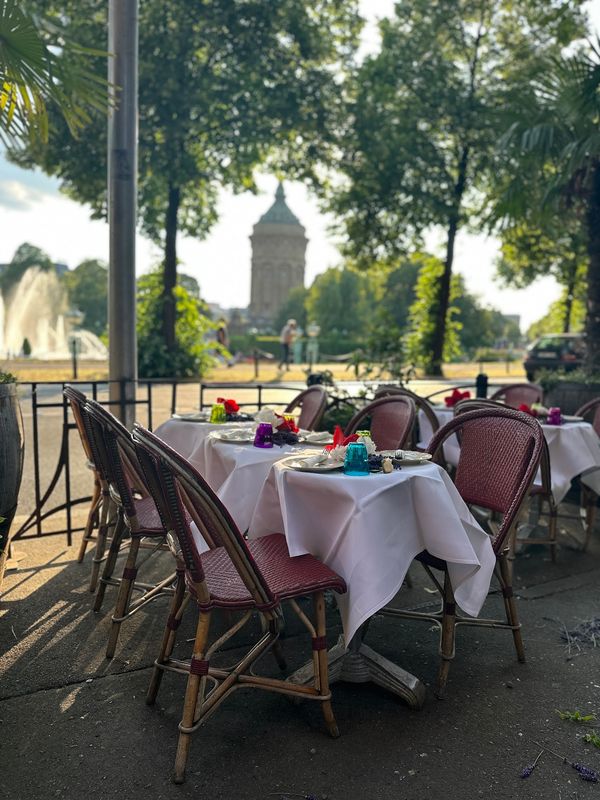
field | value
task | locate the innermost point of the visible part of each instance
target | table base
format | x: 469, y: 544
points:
x: 361, y: 664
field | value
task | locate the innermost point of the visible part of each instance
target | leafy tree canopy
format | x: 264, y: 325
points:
x: 87, y: 286
x: 25, y: 256
x: 419, y: 147
x: 191, y: 356
x: 341, y: 302
x: 293, y: 308
x: 221, y: 85
x: 552, y: 154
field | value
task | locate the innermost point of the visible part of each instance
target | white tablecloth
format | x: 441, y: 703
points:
x: 574, y: 450
x: 236, y: 472
x: 368, y: 529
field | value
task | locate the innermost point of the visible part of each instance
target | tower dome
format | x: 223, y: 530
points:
x: 278, y: 258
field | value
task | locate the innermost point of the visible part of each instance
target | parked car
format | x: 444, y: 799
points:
x: 555, y: 351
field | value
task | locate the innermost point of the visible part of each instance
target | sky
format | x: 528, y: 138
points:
x: 33, y: 210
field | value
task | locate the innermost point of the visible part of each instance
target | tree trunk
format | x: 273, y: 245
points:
x: 570, y: 293
x: 441, y: 313
x: 170, y: 267
x: 592, y: 321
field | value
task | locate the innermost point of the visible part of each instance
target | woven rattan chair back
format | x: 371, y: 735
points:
x: 499, y: 456
x: 590, y: 411
x: 311, y: 402
x: 178, y: 487
x: 117, y: 454
x: 517, y: 394
x: 392, y: 421
x: 421, y: 404
x: 77, y: 401
x: 480, y: 402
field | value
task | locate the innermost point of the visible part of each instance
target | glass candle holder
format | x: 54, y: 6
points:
x: 356, y: 461
x: 217, y: 413
x: 264, y: 435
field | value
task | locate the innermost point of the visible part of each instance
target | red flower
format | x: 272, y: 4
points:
x: 452, y: 399
x: 231, y: 407
x: 527, y: 410
x: 287, y: 425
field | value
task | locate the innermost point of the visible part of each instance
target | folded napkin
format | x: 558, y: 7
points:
x: 277, y: 421
x: 339, y: 440
x: 452, y: 399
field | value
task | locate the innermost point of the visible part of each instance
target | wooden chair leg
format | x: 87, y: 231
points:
x: 447, y: 638
x: 111, y: 559
x: 589, y: 499
x: 92, y: 521
x: 124, y: 596
x: 101, y: 540
x: 322, y: 677
x: 552, y: 531
x: 169, y: 637
x: 510, y: 606
x: 196, y: 680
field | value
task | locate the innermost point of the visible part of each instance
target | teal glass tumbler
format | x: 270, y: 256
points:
x: 356, y: 461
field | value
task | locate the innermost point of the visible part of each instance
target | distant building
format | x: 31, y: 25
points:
x: 278, y: 259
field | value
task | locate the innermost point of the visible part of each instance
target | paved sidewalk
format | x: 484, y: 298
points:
x: 75, y: 726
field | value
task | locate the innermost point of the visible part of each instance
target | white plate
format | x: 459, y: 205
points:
x: 235, y: 436
x: 193, y: 416
x: 311, y: 464
x: 316, y: 437
x: 407, y: 457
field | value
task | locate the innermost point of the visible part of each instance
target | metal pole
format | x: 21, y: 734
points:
x: 122, y: 205
x: 74, y: 357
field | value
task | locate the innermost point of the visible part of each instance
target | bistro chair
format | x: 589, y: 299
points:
x: 499, y: 457
x: 517, y: 394
x: 100, y: 519
x: 392, y: 421
x: 138, y: 518
x: 540, y: 491
x: 235, y: 574
x: 421, y: 404
x: 590, y: 411
x: 311, y: 402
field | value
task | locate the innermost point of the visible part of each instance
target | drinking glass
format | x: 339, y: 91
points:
x: 356, y: 461
x: 217, y: 413
x: 264, y: 435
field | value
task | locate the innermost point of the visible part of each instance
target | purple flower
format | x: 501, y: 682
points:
x: 585, y: 773
x: 530, y: 767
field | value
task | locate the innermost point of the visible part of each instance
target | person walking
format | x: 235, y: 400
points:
x: 286, y: 338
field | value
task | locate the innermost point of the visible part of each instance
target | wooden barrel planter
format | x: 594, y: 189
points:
x: 11, y: 463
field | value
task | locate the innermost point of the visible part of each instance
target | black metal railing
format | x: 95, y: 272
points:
x: 40, y: 397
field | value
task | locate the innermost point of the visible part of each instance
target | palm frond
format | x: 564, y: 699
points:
x: 39, y: 65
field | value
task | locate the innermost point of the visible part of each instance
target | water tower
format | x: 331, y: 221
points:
x: 278, y: 259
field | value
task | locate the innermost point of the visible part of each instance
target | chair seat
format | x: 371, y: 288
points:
x: 285, y: 576
x: 149, y: 521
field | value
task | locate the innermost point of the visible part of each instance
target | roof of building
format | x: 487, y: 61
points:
x: 279, y: 213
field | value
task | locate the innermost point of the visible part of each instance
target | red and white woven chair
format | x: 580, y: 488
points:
x: 499, y: 457
x: 392, y: 421
x: 516, y: 394
x: 311, y: 402
x: 234, y: 574
x: 137, y: 516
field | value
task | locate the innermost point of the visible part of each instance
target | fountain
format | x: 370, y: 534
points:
x: 36, y: 309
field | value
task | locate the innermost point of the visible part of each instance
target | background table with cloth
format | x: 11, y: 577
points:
x: 574, y: 449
